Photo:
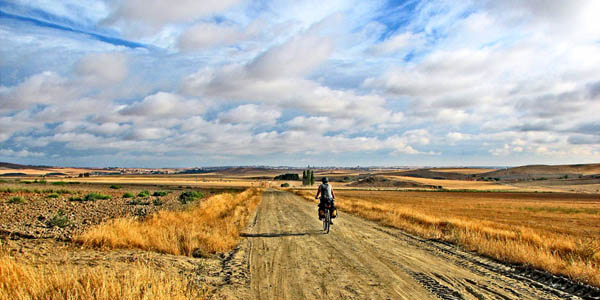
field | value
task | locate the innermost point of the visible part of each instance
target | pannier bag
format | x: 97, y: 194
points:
x: 321, y: 213
x: 334, y: 213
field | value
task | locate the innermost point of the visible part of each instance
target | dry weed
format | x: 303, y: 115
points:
x: 211, y: 226
x: 19, y: 281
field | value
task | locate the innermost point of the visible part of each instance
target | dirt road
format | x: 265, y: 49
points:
x: 285, y: 255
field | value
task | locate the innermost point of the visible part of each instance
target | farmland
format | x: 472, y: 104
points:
x: 83, y: 240
x: 204, y: 236
x: 557, y: 232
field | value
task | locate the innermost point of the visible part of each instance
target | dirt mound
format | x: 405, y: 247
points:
x: 547, y: 171
x: 379, y: 181
x: 11, y: 166
x: 431, y: 174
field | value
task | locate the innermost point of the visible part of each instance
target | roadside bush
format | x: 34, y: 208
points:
x: 58, y: 183
x: 189, y: 196
x: 53, y: 195
x: 115, y: 187
x: 157, y: 202
x: 59, y: 220
x: 159, y: 194
x: 76, y: 199
x: 16, y: 200
x: 128, y: 195
x: 285, y: 185
x: 96, y: 196
x: 138, y: 202
x: 144, y: 194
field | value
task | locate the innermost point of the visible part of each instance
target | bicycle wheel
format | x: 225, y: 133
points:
x: 326, y: 221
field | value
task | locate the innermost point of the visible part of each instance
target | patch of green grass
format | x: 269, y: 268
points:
x: 16, y: 200
x: 59, y: 183
x: 144, y: 194
x: 159, y: 194
x: 138, y: 201
x: 190, y: 196
x: 76, y: 199
x: 53, y: 195
x: 96, y: 196
x: 115, y: 187
x: 59, y: 220
x: 128, y: 195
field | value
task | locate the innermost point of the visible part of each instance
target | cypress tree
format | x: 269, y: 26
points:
x: 312, y: 177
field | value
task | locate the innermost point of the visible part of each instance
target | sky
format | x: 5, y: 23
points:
x: 151, y: 83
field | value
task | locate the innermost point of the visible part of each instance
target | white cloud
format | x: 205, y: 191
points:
x: 22, y: 153
x: 102, y: 69
x: 251, y: 113
x: 163, y: 104
x: 157, y: 12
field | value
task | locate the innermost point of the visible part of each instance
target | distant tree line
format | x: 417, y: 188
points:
x: 288, y: 176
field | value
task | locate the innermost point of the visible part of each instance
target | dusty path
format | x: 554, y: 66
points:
x: 285, y: 255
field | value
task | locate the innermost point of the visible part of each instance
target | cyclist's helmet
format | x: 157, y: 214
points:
x: 325, y: 180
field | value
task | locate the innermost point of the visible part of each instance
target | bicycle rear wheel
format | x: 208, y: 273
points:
x: 326, y: 221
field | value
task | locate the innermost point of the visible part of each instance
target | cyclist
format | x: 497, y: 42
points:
x: 327, y: 194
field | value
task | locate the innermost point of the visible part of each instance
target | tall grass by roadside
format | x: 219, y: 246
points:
x: 210, y: 226
x: 19, y: 281
x: 557, y: 253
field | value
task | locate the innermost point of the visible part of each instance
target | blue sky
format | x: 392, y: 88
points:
x: 140, y: 83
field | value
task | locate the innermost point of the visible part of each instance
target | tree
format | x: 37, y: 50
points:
x: 312, y: 177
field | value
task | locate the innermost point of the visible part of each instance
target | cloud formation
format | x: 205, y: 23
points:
x: 279, y: 82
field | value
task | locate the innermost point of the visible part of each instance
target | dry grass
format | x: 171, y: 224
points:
x: 467, y: 171
x: 460, y: 184
x: 555, y: 232
x: 212, y: 226
x: 20, y: 281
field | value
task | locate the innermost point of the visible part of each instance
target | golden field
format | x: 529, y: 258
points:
x: 212, y: 226
x: 551, y: 231
x: 22, y: 281
x: 149, y: 256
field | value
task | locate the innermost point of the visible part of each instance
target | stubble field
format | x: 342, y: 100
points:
x: 66, y: 240
x: 556, y: 232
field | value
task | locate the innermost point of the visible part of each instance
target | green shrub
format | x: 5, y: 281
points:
x: 53, y: 195
x: 138, y: 201
x: 16, y: 200
x: 59, y: 220
x: 77, y: 199
x: 96, y: 196
x: 189, y: 196
x: 115, y: 187
x: 285, y: 185
x: 159, y: 194
x: 144, y: 194
x: 128, y: 195
x: 59, y: 183
x: 157, y: 202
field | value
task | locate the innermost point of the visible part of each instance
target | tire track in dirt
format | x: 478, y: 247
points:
x: 285, y: 255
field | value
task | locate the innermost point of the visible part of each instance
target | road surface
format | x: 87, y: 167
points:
x: 285, y: 255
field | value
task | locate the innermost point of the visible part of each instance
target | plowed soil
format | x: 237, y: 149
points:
x: 285, y: 255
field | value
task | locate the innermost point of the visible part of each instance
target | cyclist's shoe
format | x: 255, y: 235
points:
x: 330, y: 222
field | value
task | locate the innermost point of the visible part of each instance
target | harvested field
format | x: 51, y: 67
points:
x: 212, y: 226
x: 464, y: 184
x: 550, y: 231
x: 62, y: 211
x: 39, y: 260
x: 468, y: 171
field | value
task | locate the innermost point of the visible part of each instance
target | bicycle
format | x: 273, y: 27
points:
x: 326, y: 207
x: 326, y: 220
